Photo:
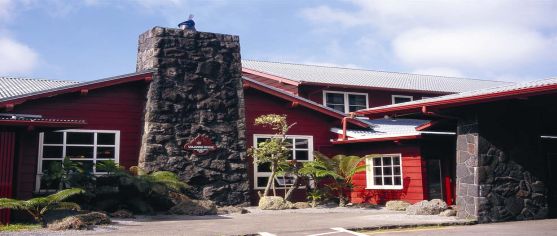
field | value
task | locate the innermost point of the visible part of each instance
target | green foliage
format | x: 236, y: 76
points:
x: 315, y: 196
x: 19, y: 227
x: 340, y: 167
x: 109, y: 166
x: 274, y: 150
x: 38, y: 207
x: 68, y: 174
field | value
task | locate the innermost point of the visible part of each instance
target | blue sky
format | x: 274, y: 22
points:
x: 512, y: 40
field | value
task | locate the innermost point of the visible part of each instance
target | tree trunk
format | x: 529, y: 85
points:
x: 294, y: 186
x: 341, y: 198
x: 270, y: 182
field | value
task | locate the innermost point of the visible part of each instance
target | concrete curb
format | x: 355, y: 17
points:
x: 407, y: 226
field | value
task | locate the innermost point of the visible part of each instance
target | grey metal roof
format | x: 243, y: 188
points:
x: 11, y: 86
x: 14, y: 88
x: 510, y: 89
x: 387, y: 128
x: 369, y: 78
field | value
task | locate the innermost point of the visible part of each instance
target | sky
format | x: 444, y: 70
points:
x: 510, y: 40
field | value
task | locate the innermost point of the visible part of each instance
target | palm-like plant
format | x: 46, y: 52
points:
x: 39, y: 206
x: 340, y: 167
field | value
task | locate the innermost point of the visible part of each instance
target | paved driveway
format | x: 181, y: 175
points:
x: 286, y: 222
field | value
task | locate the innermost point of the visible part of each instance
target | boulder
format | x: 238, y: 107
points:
x: 301, y: 205
x: 194, y: 208
x: 80, y: 222
x: 123, y: 214
x: 448, y: 212
x: 69, y: 223
x: 397, y: 205
x: 274, y: 203
x: 433, y: 207
x: 224, y: 210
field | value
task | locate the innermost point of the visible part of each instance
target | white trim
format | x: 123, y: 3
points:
x: 346, y: 100
x: 64, y: 144
x: 369, y: 172
x: 267, y: 174
x: 400, y: 96
x: 548, y: 137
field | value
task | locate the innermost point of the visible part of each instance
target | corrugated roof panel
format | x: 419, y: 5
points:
x: 11, y: 87
x: 369, y: 78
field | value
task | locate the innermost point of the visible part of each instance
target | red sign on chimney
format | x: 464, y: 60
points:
x: 200, y: 145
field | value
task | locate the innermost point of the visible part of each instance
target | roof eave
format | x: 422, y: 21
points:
x: 379, y: 139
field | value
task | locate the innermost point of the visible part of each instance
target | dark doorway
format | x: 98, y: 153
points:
x: 434, y: 179
x: 552, y: 184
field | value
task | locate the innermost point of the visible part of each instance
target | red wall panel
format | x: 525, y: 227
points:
x: 117, y: 107
x: 7, y: 146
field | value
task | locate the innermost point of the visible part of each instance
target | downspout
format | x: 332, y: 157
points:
x: 344, y: 124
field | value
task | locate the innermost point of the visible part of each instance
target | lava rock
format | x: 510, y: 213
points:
x: 397, y: 205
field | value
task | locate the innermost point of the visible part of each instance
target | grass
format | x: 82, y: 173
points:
x: 19, y: 227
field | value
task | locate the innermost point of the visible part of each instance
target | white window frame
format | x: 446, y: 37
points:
x: 400, y: 96
x: 40, y: 158
x: 257, y: 174
x: 346, y: 101
x: 370, y: 175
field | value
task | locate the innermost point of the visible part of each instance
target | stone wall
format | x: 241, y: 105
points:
x: 500, y: 166
x: 196, y: 89
x: 467, y: 186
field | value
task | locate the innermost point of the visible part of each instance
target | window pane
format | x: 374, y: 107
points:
x: 79, y: 138
x: 401, y: 99
x: 52, y: 152
x: 398, y: 180
x: 261, y: 140
x: 378, y: 181
x: 396, y: 161
x: 302, y: 155
x: 79, y: 152
x: 388, y: 181
x: 355, y: 108
x: 335, y: 98
x: 301, y: 143
x: 50, y: 166
x: 337, y: 107
x: 262, y: 182
x: 386, y: 161
x: 264, y: 167
x: 376, y: 161
x: 397, y: 170
x: 86, y: 165
x: 288, y: 143
x: 377, y: 171
x: 387, y: 171
x: 106, y: 139
x: 359, y: 100
x: 105, y: 152
x: 290, y: 155
x: 53, y: 138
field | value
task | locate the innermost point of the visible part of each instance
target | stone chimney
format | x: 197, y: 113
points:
x: 196, y: 92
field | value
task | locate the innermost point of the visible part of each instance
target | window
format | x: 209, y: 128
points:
x: 86, y: 147
x: 344, y: 101
x: 401, y: 98
x: 384, y: 171
x: 301, y: 150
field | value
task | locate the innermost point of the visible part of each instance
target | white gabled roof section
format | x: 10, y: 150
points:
x: 388, y: 128
x: 368, y: 78
x: 13, y: 86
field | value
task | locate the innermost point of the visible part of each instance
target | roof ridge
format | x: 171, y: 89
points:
x: 370, y: 70
x: 37, y: 79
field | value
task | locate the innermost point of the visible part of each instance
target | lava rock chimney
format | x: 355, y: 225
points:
x: 196, y: 91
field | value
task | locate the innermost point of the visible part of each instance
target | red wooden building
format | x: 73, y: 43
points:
x: 42, y: 121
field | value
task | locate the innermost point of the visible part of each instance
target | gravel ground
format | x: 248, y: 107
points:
x: 244, y: 223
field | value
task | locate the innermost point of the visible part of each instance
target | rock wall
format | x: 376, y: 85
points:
x: 501, y: 169
x: 196, y: 90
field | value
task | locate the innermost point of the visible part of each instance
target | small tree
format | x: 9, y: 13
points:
x: 38, y: 207
x: 340, y: 167
x: 274, y: 150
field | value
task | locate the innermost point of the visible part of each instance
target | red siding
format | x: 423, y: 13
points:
x: 112, y: 108
x: 413, y: 173
x: 376, y: 97
x: 7, y: 145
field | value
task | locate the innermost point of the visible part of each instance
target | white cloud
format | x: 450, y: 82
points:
x: 16, y: 57
x: 5, y: 9
x: 483, y: 38
x: 472, y: 48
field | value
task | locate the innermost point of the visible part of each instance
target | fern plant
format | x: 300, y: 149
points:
x: 38, y: 207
